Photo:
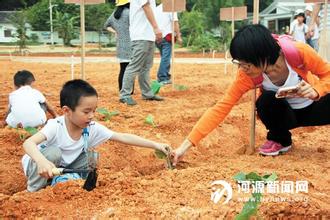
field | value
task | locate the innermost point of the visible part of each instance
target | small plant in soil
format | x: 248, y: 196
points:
x: 161, y: 155
x: 250, y: 208
x: 26, y: 132
x: 107, y: 115
x: 180, y: 87
x: 150, y: 120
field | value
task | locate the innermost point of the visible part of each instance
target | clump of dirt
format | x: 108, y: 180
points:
x: 133, y: 183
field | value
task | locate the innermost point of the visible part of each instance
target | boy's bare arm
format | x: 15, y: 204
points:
x: 30, y: 147
x: 151, y: 18
x: 177, y: 32
x: 50, y: 109
x: 135, y: 140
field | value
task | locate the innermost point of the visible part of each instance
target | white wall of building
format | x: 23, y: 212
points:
x: 44, y: 36
x: 6, y: 29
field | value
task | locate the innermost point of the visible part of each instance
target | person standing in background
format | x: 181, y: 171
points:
x: 164, y: 20
x: 308, y: 20
x: 144, y: 30
x: 316, y: 34
x: 298, y: 29
x: 118, y: 23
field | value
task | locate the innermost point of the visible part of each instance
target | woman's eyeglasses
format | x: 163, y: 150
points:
x: 243, y: 65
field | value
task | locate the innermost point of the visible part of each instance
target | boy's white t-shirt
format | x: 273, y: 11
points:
x: 24, y: 104
x: 140, y: 27
x: 164, y: 20
x: 57, y: 136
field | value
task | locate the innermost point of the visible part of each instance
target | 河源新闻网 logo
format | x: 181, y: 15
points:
x: 224, y: 191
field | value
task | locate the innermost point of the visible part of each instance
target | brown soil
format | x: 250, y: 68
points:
x: 134, y: 184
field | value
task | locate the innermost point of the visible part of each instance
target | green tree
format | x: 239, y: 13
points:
x: 38, y: 14
x: 66, y: 26
x: 19, y: 20
x: 192, y: 25
x: 96, y: 23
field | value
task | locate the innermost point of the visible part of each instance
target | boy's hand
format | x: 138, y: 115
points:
x: 45, y: 169
x: 179, y: 40
x: 159, y: 35
x: 165, y: 148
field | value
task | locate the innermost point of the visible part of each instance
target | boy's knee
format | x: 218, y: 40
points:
x: 43, y: 106
x: 52, y: 154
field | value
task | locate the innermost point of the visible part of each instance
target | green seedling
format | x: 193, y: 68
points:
x: 30, y: 130
x: 161, y: 155
x: 107, y: 115
x: 250, y: 208
x: 252, y: 177
x: 155, y: 87
x: 180, y: 87
x: 150, y: 120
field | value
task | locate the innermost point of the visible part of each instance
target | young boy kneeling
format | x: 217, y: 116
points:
x: 27, y: 105
x: 60, y: 142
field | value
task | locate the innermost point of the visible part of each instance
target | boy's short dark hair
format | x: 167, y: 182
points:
x: 73, y: 90
x: 255, y: 44
x: 23, y: 77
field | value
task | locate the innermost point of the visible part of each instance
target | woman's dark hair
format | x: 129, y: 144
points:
x: 23, y: 77
x: 73, y: 90
x: 120, y: 10
x: 255, y: 44
x: 300, y: 15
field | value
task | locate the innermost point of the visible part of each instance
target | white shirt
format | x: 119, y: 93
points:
x: 298, y: 31
x: 24, y: 104
x: 292, y: 80
x: 164, y: 20
x: 57, y: 136
x: 140, y: 27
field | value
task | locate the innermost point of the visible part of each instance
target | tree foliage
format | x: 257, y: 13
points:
x: 19, y: 20
x: 9, y: 5
x: 66, y: 26
x: 96, y: 23
x: 199, y: 24
x: 39, y: 17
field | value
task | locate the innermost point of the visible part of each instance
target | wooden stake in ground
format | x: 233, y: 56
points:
x: 251, y: 148
x: 82, y: 4
x: 232, y: 14
x: 173, y: 6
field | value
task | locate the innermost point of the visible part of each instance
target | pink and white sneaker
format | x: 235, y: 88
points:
x: 272, y: 148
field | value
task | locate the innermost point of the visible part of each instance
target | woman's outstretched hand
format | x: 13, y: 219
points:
x: 178, y: 153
